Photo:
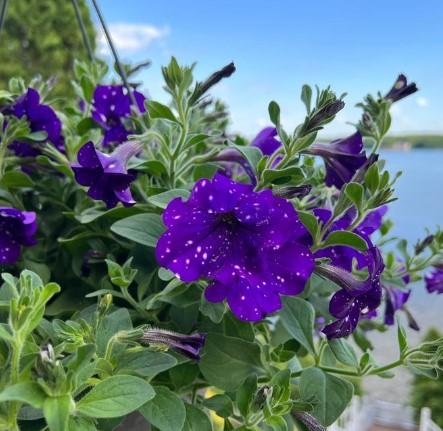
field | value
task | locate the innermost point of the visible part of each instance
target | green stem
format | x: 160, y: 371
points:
x: 16, y: 353
x: 387, y: 367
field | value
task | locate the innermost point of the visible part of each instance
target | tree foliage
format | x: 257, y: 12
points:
x: 42, y: 37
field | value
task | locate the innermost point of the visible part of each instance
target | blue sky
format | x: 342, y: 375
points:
x: 354, y: 45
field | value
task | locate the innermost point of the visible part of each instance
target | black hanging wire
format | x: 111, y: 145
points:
x: 81, y: 24
x: 118, y: 63
x: 3, y: 13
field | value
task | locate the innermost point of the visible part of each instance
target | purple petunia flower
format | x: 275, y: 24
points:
x: 342, y: 158
x: 106, y: 174
x: 434, y: 280
x: 395, y: 300
x: 248, y: 245
x: 357, y: 298
x: 265, y: 140
x: 111, y: 106
x: 41, y: 117
x: 187, y: 345
x: 401, y: 89
x: 17, y: 229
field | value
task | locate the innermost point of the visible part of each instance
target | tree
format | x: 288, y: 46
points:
x: 43, y: 37
x: 429, y: 393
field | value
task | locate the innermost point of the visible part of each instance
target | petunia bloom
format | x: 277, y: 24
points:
x: 17, y: 229
x: 248, y: 245
x: 265, y: 140
x: 401, y: 89
x: 106, y: 174
x: 395, y: 300
x: 434, y: 280
x: 41, y: 118
x: 357, y: 298
x: 342, y: 158
x: 188, y: 345
x: 111, y: 106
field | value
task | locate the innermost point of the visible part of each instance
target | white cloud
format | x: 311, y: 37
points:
x: 422, y: 102
x: 131, y: 38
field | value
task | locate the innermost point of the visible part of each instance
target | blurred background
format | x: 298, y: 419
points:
x: 355, y: 46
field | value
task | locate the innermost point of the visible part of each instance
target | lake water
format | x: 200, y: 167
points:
x: 419, y: 205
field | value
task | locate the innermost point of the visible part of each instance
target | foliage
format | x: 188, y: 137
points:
x: 92, y: 328
x: 42, y: 37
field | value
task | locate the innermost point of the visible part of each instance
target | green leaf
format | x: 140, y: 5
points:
x: 162, y: 200
x: 402, y: 339
x: 228, y: 361
x: 252, y: 154
x: 152, y: 167
x: 112, y: 323
x: 343, y: 351
x: 56, y: 411
x: 141, y: 228
x: 196, y: 420
x: 277, y: 423
x: 297, y: 316
x: 118, y: 213
x: 116, y: 396
x: 158, y: 110
x: 81, y: 424
x: 306, y: 96
x: 144, y: 362
x: 245, y: 394
x: 184, y: 374
x: 16, y: 179
x: 328, y: 394
x: 5, y: 333
x: 166, y: 411
x: 214, y: 310
x: 196, y: 139
x: 372, y: 178
x: 310, y: 222
x: 26, y: 392
x: 341, y: 237
x: 355, y: 192
x: 221, y: 404
x: 85, y: 125
x: 274, y: 113
x: 278, y: 176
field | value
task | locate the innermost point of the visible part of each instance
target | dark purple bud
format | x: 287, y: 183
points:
x: 261, y: 396
x: 324, y: 114
x: 202, y: 87
x: 188, y: 345
x: 421, y: 245
x: 308, y: 421
x: 401, y: 89
x: 291, y: 192
x: 412, y: 323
